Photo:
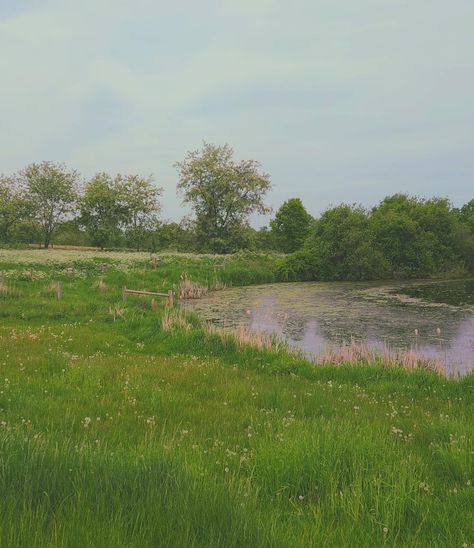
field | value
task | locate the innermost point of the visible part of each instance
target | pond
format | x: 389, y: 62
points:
x: 434, y: 318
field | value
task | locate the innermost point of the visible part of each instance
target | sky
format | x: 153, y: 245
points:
x: 339, y: 100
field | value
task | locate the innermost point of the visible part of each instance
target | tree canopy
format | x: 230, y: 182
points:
x: 223, y: 193
x: 402, y: 237
x: 291, y: 225
x: 52, y: 189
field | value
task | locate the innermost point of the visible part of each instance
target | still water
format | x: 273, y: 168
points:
x: 315, y: 315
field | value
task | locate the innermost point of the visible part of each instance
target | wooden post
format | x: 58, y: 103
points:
x: 124, y: 293
x: 59, y: 292
x: 154, y: 305
x: 170, y: 298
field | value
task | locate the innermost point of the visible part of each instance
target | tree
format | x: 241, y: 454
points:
x: 466, y: 215
x: 15, y: 212
x: 174, y: 236
x: 223, y: 193
x: 101, y: 210
x: 340, y: 246
x: 139, y: 204
x: 291, y: 225
x: 465, y: 234
x: 416, y: 236
x: 264, y: 240
x: 52, y: 190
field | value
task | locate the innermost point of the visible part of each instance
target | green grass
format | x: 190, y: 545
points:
x: 121, y: 433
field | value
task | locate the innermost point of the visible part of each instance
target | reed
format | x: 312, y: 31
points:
x: 243, y: 336
x: 361, y: 352
x: 55, y: 288
x: 116, y: 311
x: 174, y: 319
x: 101, y: 285
x: 191, y: 290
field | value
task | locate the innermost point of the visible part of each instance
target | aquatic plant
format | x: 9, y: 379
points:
x: 361, y: 352
x: 191, y: 290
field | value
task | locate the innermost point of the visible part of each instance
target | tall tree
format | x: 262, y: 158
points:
x: 140, y: 206
x: 223, y: 193
x: 291, y: 225
x: 101, y: 210
x: 52, y: 189
x: 16, y: 212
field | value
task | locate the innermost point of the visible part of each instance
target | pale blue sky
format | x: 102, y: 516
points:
x: 340, y: 100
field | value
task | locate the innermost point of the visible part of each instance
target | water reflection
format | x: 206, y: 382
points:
x: 312, y: 316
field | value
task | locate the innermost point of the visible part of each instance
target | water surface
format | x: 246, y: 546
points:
x: 435, y: 318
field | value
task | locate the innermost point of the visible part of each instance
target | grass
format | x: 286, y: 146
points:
x: 121, y: 425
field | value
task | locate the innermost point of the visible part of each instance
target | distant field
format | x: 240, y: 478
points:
x: 123, y: 424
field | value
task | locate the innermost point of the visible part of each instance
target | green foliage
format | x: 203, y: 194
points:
x: 100, y: 210
x: 341, y: 246
x: 291, y: 226
x: 263, y: 239
x: 70, y: 233
x: 223, y: 193
x: 139, y: 204
x: 16, y: 212
x: 402, y: 237
x: 466, y: 215
x: 121, y: 433
x: 172, y: 237
x: 416, y: 236
x: 52, y: 191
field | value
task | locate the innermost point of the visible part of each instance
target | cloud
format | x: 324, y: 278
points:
x: 338, y: 100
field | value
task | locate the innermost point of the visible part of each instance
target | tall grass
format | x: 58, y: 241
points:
x: 138, y: 427
x: 360, y: 352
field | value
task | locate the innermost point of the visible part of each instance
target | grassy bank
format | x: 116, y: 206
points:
x: 126, y: 426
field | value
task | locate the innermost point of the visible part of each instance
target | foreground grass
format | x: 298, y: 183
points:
x: 120, y: 429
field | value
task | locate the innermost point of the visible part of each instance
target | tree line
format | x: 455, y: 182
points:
x: 403, y: 236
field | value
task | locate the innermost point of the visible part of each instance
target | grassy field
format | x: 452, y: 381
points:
x: 123, y: 425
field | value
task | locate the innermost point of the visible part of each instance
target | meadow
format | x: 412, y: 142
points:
x: 127, y: 424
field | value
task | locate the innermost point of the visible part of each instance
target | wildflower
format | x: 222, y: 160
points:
x: 86, y: 422
x: 385, y: 530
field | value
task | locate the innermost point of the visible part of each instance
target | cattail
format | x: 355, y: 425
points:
x: 101, y: 285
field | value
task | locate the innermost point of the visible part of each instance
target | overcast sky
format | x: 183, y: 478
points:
x: 340, y: 100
